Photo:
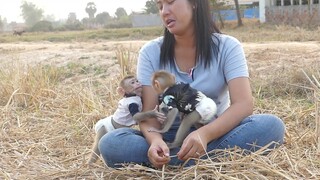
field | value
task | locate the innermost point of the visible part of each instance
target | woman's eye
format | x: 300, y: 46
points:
x: 159, y: 6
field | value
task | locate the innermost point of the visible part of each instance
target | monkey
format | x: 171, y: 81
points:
x: 162, y: 114
x: 196, y: 108
x: 131, y: 90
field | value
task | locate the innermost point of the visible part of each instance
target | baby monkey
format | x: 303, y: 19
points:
x: 196, y: 108
x: 130, y: 89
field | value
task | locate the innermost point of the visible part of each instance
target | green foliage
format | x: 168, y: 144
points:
x: 30, y: 13
x: 91, y: 9
x: 1, y: 24
x: 151, y: 7
x: 74, y: 26
x: 246, y: 33
x: 85, y: 35
x: 217, y: 5
x: 72, y: 18
x: 103, y: 18
x: 121, y: 12
x: 72, y: 23
x: 44, y: 26
x: 116, y: 25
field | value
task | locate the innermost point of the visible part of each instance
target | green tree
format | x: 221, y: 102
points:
x: 151, y: 7
x: 1, y: 24
x: 50, y: 18
x: 121, y: 12
x: 43, y: 26
x: 91, y: 9
x: 73, y: 23
x: 72, y: 18
x: 31, y: 13
x: 103, y: 18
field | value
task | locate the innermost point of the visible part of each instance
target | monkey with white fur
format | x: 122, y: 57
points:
x: 197, y: 109
x: 128, y: 106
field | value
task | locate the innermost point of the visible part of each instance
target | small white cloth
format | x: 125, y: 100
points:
x: 122, y: 115
x: 106, y: 122
x: 207, y: 109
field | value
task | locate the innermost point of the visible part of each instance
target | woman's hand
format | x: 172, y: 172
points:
x: 193, y: 146
x: 158, y: 153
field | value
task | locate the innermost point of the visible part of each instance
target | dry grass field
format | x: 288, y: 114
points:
x: 52, y: 93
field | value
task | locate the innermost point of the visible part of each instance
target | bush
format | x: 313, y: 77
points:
x: 44, y: 26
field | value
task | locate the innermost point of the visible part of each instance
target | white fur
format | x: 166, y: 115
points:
x: 106, y: 122
x: 207, y: 109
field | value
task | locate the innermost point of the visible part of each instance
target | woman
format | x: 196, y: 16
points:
x: 194, y: 50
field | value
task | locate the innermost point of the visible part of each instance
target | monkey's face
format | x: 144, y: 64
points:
x: 133, y: 86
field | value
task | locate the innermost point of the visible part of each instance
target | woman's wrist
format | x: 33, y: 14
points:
x: 205, y: 134
x: 150, y: 136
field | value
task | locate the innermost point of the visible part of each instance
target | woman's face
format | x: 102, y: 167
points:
x: 176, y: 15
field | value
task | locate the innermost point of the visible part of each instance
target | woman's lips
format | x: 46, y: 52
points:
x: 170, y: 23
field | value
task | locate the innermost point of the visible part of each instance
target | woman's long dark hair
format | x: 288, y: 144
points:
x: 204, y: 28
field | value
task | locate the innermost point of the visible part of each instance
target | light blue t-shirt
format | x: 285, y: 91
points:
x: 212, y: 81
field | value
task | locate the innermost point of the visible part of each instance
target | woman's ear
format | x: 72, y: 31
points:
x: 121, y: 91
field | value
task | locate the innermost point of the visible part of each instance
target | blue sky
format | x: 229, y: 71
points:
x: 10, y: 9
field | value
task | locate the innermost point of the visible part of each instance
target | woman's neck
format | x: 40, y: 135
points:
x: 185, y: 53
x: 185, y: 41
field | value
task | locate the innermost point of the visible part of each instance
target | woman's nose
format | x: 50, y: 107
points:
x: 165, y: 9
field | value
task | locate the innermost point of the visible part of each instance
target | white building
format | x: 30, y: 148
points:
x: 290, y: 11
x: 241, y: 2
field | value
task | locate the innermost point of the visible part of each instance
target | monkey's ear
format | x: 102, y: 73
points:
x: 121, y: 91
x: 157, y: 85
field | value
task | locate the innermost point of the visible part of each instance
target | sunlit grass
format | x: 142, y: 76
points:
x: 246, y: 33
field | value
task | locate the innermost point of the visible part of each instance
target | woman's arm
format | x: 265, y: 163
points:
x: 158, y: 152
x: 241, y: 107
x: 149, y: 101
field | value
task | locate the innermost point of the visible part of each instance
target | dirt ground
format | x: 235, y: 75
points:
x: 260, y: 56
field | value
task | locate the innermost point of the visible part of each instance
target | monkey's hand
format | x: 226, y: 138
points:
x: 161, y: 117
x: 143, y: 116
x: 171, y: 116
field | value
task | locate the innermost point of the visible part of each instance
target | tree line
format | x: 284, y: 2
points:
x: 35, y: 20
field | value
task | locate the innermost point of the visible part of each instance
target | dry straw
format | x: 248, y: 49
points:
x: 47, y: 114
x: 315, y: 83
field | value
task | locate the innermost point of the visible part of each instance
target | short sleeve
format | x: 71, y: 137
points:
x: 148, y: 61
x: 233, y: 56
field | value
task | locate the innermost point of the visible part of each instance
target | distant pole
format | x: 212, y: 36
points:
x: 262, y: 11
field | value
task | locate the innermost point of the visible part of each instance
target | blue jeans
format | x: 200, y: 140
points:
x: 127, y: 145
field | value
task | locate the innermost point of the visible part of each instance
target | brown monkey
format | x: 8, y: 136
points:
x: 128, y: 106
x: 196, y: 108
